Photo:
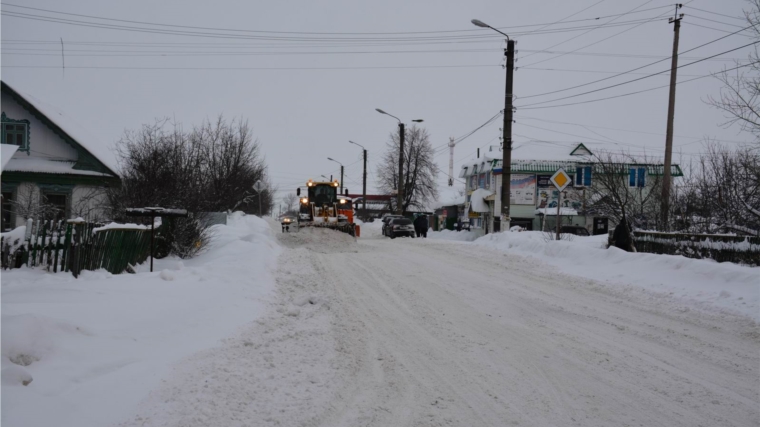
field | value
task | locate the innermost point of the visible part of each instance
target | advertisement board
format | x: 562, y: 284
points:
x: 522, y: 190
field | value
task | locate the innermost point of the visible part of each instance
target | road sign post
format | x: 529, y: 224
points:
x: 560, y: 180
x: 259, y: 186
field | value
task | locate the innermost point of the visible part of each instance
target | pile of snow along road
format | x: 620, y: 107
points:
x: 90, y: 349
x: 711, y: 285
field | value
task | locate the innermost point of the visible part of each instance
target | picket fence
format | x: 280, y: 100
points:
x: 721, y: 248
x: 73, y: 246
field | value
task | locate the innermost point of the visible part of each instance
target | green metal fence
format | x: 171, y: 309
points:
x: 721, y: 248
x: 73, y: 246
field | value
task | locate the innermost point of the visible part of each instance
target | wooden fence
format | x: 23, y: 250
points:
x: 75, y: 246
x: 721, y: 248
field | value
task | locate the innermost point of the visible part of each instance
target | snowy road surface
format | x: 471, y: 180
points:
x: 413, y: 332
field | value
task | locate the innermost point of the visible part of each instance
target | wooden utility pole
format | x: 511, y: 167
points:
x: 665, y: 205
x: 506, y: 167
x: 364, y: 186
x: 400, y: 194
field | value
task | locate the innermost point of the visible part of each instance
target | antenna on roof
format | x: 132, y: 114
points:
x: 63, y: 60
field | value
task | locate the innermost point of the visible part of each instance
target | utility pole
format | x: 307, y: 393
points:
x: 451, y: 161
x: 341, y: 179
x: 665, y: 205
x: 401, y: 131
x: 364, y: 187
x: 506, y: 169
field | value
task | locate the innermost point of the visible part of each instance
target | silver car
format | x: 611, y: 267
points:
x: 400, y: 227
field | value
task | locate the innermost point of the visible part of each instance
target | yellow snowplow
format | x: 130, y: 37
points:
x: 322, y: 206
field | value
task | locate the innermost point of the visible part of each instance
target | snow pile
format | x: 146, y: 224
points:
x: 95, y: 346
x: 711, y: 284
x: 458, y: 236
x: 370, y: 229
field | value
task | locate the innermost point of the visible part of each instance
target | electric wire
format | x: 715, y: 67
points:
x: 634, y: 69
x: 641, y: 78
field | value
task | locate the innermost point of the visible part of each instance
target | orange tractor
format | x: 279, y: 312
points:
x: 323, y: 206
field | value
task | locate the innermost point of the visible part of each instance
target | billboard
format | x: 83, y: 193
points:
x: 522, y: 190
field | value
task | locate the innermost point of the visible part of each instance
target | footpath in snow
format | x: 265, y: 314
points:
x: 709, y: 285
x: 96, y: 346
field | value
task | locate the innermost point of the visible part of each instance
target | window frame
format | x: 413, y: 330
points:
x: 5, y: 120
x: 583, y: 176
x: 637, y: 177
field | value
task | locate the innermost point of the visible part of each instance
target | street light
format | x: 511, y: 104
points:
x: 401, y: 133
x: 341, y: 173
x: 364, y: 181
x: 506, y: 168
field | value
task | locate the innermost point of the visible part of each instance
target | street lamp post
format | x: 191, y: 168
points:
x: 400, y: 185
x: 341, y: 173
x: 364, y: 181
x: 506, y: 174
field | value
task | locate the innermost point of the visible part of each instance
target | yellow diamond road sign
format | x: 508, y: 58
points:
x: 560, y: 179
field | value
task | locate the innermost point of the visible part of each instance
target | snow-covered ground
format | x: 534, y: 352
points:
x: 710, y: 284
x: 377, y: 332
x: 96, y: 346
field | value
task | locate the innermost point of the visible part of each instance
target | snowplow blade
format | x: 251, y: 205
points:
x: 347, y: 228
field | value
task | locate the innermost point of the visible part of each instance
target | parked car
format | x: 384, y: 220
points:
x: 400, y: 227
x: 574, y: 229
x: 387, y: 218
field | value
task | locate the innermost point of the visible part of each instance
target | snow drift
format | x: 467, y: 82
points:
x: 95, y: 346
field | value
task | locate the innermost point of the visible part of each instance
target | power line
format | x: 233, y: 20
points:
x: 596, y: 42
x: 403, y: 67
x: 488, y: 36
x: 309, y: 33
x: 632, y: 93
x: 641, y: 78
x: 634, y: 69
x: 720, y: 14
x: 579, y: 35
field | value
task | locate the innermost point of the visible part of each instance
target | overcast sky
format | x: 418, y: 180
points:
x: 305, y: 95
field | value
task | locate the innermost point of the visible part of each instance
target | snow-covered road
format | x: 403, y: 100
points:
x: 417, y: 332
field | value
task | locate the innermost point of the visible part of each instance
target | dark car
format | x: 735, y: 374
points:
x: 574, y: 229
x: 386, y: 219
x: 400, y: 227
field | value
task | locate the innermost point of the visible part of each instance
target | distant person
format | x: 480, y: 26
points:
x: 424, y: 225
x: 416, y: 223
x: 459, y: 224
x: 621, y: 237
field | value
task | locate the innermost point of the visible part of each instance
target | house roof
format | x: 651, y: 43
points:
x: 40, y: 165
x: 6, y: 152
x: 93, y: 154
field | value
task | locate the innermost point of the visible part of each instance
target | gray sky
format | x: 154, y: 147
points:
x: 316, y: 100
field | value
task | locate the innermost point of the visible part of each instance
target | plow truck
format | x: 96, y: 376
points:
x: 323, y: 206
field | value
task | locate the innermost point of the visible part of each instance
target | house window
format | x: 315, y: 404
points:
x: 488, y: 180
x: 482, y: 181
x: 58, y: 205
x: 15, y: 132
x: 637, y: 177
x: 7, y: 211
x: 583, y: 176
x: 473, y: 182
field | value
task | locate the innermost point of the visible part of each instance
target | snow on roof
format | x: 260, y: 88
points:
x: 477, y: 200
x: 101, y: 151
x: 447, y: 196
x: 6, y: 152
x: 40, y: 165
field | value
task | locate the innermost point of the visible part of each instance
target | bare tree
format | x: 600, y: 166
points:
x: 290, y: 201
x: 211, y: 168
x: 740, y: 96
x: 420, y: 171
x: 612, y: 195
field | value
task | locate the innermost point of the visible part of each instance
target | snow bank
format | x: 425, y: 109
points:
x: 370, y: 229
x: 458, y: 236
x: 712, y: 285
x: 96, y: 346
